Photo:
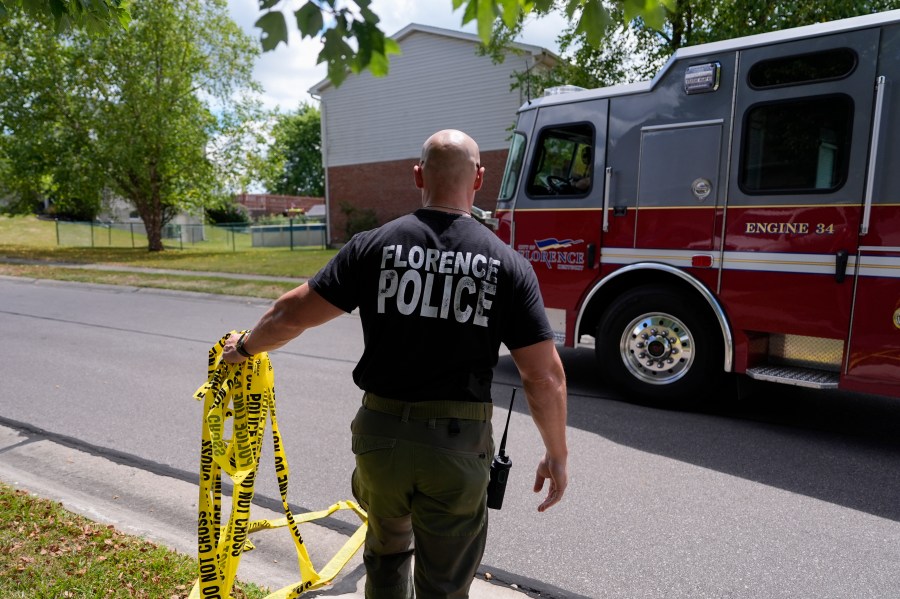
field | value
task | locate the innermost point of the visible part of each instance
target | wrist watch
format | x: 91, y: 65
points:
x: 239, y: 346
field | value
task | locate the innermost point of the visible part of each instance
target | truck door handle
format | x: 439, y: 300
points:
x: 591, y: 254
x: 840, y: 265
x: 607, y: 181
x: 880, y: 84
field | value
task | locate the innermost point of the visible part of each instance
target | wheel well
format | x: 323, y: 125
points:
x: 616, y: 285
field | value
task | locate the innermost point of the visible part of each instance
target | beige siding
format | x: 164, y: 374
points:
x: 437, y: 83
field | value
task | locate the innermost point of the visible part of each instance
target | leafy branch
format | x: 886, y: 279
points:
x: 352, y: 40
x: 94, y: 16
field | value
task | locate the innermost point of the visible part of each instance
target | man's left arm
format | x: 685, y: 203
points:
x: 544, y: 381
x: 290, y: 315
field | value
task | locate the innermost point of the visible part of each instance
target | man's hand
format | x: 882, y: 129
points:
x: 229, y: 351
x: 557, y: 472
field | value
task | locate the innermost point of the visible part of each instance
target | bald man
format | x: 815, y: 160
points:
x: 437, y: 294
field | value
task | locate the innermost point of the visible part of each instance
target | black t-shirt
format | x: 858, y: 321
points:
x: 437, y: 293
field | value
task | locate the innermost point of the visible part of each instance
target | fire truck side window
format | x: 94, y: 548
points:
x: 513, y: 167
x: 829, y: 65
x: 562, y: 162
x: 797, y: 146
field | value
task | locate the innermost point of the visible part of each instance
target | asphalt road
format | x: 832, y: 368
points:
x: 782, y: 493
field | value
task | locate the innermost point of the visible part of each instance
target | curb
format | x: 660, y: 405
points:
x: 163, y: 509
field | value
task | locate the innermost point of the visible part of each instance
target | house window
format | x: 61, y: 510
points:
x: 563, y: 162
x: 799, y: 145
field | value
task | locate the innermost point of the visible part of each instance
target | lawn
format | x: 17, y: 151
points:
x: 30, y: 238
x: 46, y: 551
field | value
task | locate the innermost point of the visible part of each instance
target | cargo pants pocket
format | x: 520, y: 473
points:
x: 380, y: 482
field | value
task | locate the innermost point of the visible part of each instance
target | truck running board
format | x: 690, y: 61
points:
x: 794, y: 375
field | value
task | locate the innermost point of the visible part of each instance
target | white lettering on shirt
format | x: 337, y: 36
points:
x: 437, y: 284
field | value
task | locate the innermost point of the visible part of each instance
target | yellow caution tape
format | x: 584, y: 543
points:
x: 245, y: 392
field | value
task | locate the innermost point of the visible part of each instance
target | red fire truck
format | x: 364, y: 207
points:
x: 738, y: 213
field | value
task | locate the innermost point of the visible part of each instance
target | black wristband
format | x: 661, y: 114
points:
x: 239, y: 346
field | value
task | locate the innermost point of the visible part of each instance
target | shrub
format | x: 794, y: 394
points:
x: 357, y: 219
x: 228, y: 213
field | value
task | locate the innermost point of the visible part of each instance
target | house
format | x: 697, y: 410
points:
x: 317, y: 213
x: 373, y: 127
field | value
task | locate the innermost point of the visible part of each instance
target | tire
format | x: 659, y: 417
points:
x: 660, y: 348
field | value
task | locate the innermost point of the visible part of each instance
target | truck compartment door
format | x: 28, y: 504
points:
x: 679, y: 175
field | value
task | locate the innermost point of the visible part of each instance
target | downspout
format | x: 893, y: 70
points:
x: 324, y: 138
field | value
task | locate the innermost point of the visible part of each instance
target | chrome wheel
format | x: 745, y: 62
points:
x: 657, y: 348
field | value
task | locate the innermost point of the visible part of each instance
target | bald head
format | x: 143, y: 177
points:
x: 450, y: 169
x: 450, y: 153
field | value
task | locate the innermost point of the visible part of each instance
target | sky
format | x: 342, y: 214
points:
x: 289, y: 71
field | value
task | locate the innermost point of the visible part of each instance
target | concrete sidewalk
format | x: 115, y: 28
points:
x: 163, y: 509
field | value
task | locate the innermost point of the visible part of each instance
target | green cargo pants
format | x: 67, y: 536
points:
x: 421, y: 472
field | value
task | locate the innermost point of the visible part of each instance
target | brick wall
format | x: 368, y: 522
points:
x: 266, y: 203
x: 388, y: 188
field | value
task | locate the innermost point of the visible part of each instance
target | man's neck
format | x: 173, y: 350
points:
x: 451, y: 207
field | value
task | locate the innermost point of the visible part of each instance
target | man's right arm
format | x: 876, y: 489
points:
x: 294, y: 312
x: 544, y: 381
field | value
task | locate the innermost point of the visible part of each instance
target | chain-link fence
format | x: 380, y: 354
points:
x: 179, y: 236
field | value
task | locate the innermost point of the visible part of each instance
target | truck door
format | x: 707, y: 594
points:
x: 803, y: 115
x: 557, y: 213
x: 873, y: 363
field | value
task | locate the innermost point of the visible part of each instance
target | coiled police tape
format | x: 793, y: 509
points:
x: 245, y: 392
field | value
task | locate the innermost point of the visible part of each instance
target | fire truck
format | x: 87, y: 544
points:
x: 738, y: 213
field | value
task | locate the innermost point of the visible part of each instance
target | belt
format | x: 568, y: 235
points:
x: 426, y: 410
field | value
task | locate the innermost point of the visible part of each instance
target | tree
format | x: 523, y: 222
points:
x: 632, y: 49
x: 149, y: 114
x: 351, y: 38
x: 95, y: 16
x: 635, y: 49
x: 294, y: 158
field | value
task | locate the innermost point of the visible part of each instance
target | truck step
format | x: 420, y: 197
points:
x: 795, y: 375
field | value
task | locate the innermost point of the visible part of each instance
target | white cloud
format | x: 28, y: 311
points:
x: 288, y: 72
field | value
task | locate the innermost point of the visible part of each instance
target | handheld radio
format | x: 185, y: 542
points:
x: 500, y: 467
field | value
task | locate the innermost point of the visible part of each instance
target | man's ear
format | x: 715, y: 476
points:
x: 479, y: 178
x: 417, y: 175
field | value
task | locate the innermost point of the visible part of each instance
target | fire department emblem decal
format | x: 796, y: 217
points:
x: 553, y: 252
x: 552, y: 243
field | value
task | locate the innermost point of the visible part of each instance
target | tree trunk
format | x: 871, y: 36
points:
x: 156, y: 209
x: 154, y: 237
x: 151, y: 213
x: 150, y: 207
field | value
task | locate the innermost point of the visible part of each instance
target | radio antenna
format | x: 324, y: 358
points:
x: 506, y: 428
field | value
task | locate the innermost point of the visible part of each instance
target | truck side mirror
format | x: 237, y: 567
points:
x: 485, y: 217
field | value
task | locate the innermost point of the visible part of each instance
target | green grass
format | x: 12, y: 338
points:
x: 27, y: 231
x: 32, y: 239
x: 46, y: 551
x: 220, y: 286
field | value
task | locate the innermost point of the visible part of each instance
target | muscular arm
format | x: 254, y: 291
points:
x: 544, y: 382
x: 290, y: 315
